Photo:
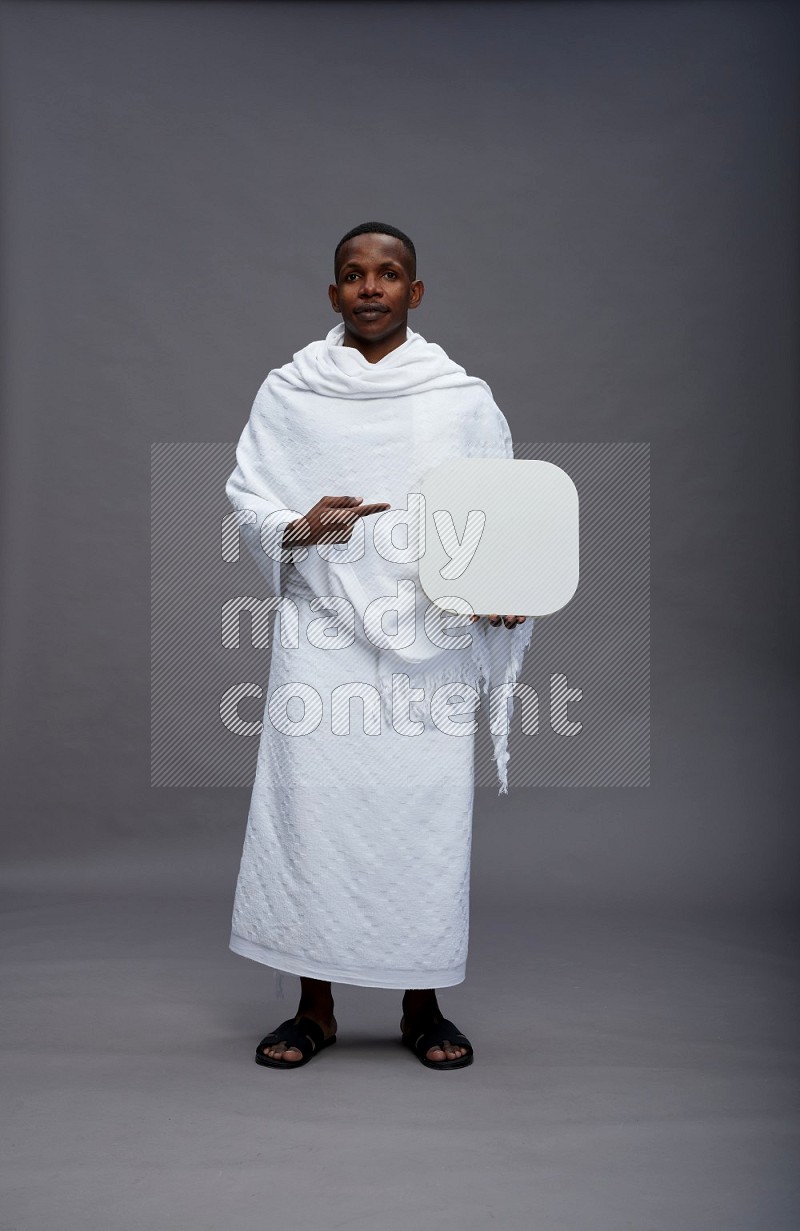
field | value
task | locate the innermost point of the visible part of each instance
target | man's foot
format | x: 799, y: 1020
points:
x: 324, y: 1019
x: 422, y: 1018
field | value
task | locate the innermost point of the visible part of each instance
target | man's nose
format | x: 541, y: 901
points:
x: 370, y: 285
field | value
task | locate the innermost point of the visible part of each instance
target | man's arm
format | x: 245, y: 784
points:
x: 330, y: 521
x: 293, y: 534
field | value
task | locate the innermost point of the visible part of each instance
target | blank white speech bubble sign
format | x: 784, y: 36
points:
x: 502, y: 534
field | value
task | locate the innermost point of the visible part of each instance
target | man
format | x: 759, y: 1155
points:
x: 355, y: 865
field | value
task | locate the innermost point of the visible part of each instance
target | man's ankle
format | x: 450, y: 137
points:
x: 416, y: 1002
x: 316, y: 1008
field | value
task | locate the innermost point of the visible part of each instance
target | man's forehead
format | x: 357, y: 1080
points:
x: 373, y: 245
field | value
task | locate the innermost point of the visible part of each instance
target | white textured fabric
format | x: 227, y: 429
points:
x: 356, y: 859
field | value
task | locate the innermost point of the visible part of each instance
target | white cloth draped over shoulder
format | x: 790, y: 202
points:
x: 356, y: 860
x: 332, y: 423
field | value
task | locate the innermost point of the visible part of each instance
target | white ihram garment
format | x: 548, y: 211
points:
x: 356, y: 859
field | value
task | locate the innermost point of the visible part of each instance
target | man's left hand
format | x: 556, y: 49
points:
x: 510, y: 621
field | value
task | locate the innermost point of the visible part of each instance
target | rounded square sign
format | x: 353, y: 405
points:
x: 500, y: 534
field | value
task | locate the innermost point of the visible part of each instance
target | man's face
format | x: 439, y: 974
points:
x: 375, y: 287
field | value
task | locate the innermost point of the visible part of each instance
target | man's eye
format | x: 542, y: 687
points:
x: 353, y: 275
x: 390, y: 273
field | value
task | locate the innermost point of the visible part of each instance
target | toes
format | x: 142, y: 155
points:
x: 448, y: 1051
x: 279, y: 1051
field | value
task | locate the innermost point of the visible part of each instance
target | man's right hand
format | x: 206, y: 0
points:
x: 330, y: 521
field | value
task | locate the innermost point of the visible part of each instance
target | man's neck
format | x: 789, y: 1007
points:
x: 373, y: 352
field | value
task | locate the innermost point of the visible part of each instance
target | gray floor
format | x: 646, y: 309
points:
x: 634, y: 1072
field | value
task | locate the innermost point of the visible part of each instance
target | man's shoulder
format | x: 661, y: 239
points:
x: 290, y: 367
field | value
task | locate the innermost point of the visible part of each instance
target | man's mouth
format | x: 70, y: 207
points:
x: 372, y: 309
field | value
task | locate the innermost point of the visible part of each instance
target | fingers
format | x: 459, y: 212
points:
x: 343, y: 510
x: 341, y: 521
x: 510, y: 621
x: 349, y: 502
x: 334, y: 517
x: 370, y: 508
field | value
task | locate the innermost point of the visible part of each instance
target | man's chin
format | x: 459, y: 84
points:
x: 372, y: 331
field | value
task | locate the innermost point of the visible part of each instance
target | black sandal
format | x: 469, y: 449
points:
x: 305, y: 1034
x: 435, y: 1036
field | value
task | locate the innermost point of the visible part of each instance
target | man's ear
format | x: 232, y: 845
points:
x: 333, y: 295
x: 417, y: 291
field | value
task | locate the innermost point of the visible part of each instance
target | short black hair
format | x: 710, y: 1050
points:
x: 381, y: 228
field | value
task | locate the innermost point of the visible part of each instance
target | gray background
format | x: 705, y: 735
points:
x: 604, y: 201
